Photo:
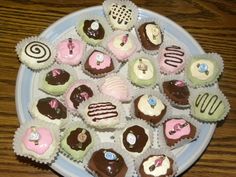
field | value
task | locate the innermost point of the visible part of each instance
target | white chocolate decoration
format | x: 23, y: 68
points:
x: 148, y: 109
x: 160, y: 169
x: 202, y: 69
x: 153, y: 34
x: 140, y: 73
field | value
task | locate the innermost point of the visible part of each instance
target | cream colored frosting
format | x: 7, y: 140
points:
x: 118, y: 40
x: 146, y: 108
x: 151, y: 31
x: 201, y: 75
x: 148, y: 73
x: 158, y: 171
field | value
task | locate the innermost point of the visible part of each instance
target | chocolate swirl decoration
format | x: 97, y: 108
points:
x: 38, y: 50
x: 173, y: 56
x: 205, y: 101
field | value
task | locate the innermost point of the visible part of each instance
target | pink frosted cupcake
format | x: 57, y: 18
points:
x: 70, y: 51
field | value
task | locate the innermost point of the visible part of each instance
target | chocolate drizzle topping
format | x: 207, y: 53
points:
x: 57, y: 77
x: 96, y: 34
x: 174, y: 55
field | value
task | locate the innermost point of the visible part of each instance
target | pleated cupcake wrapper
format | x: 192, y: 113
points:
x: 56, y: 90
x: 148, y: 20
x: 168, y: 43
x: 153, y: 152
x: 156, y: 94
x: 104, y: 98
x: 76, y: 83
x: 126, y: 82
x: 33, y: 110
x: 214, y: 91
x: 20, y: 150
x: 213, y: 57
x: 73, y: 125
x: 107, y: 5
x: 154, y: 63
x: 169, y: 78
x: 101, y: 49
x: 182, y: 141
x: 37, y: 67
x: 127, y: 158
x: 101, y: 19
x: 119, y: 135
x: 133, y: 38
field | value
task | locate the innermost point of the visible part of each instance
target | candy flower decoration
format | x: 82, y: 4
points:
x: 203, y: 68
x: 131, y: 139
x: 70, y: 46
x: 152, y: 101
x: 110, y: 155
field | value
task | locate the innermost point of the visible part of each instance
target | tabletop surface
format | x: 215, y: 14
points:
x: 212, y: 23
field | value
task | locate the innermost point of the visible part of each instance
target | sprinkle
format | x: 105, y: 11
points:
x: 56, y: 72
x: 179, y: 83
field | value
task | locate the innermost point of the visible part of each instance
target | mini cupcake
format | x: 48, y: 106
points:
x: 122, y: 44
x: 77, y: 140
x: 56, y: 79
x: 142, y: 71
x: 49, y: 109
x: 203, y: 70
x: 135, y: 138
x: 37, y: 140
x: 98, y: 63
x: 156, y: 163
x: 106, y: 159
x: 70, y: 51
x: 116, y: 86
x: 121, y: 14
x: 150, y: 35
x: 208, y: 105
x: 93, y: 29
x: 103, y: 112
x: 36, y: 53
x: 172, y: 57
x: 79, y: 92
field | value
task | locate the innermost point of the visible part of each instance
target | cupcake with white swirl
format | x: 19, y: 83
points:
x: 36, y: 53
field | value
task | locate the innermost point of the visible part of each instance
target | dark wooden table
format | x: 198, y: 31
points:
x: 212, y: 23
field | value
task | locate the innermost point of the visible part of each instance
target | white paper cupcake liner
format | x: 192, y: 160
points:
x: 127, y: 158
x: 134, y: 15
x: 49, y: 155
x: 219, y: 65
x: 214, y: 91
x: 182, y: 141
x: 39, y: 53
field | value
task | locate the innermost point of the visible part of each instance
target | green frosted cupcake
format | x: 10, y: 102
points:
x: 77, y: 140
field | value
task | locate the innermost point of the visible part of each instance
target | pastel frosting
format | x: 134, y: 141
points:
x: 70, y: 51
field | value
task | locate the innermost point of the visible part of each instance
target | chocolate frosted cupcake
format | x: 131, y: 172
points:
x: 49, y: 109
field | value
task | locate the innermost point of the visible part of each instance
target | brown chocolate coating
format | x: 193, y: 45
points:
x: 146, y: 43
x: 141, y: 115
x: 77, y: 95
x: 61, y: 78
x: 169, y: 171
x: 107, y: 168
x: 91, y: 33
x: 141, y: 138
x: 171, y: 142
x: 178, y: 94
x: 44, y: 107
x: 74, y: 143
x: 94, y: 71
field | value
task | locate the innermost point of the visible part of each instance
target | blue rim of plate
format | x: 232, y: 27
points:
x: 63, y: 165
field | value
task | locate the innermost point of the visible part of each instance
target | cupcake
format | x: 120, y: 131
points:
x: 122, y: 15
x: 37, y: 140
x: 98, y: 63
x: 56, y: 80
x: 103, y: 112
x: 70, y: 51
x: 116, y: 86
x: 78, y: 92
x: 36, y: 53
x: 49, y: 109
x: 204, y: 69
x: 142, y: 71
x: 122, y: 44
x: 77, y: 140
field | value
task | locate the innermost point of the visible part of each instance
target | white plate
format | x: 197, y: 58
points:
x: 186, y: 156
